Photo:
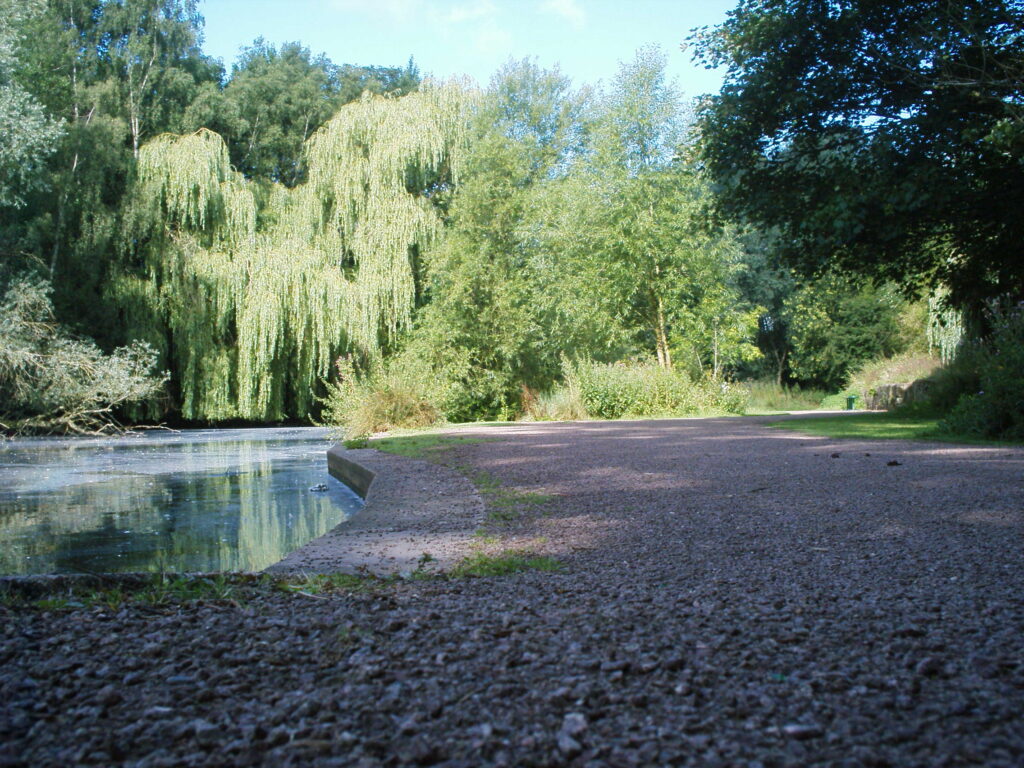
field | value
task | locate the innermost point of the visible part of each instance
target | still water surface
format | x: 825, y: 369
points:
x: 196, y: 500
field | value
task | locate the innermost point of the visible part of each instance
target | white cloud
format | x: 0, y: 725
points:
x: 476, y: 10
x: 395, y: 10
x: 474, y: 26
x: 476, y: 22
x: 570, y: 10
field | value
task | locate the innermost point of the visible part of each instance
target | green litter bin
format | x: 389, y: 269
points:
x: 850, y: 400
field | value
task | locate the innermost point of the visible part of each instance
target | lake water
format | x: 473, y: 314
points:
x: 195, y: 500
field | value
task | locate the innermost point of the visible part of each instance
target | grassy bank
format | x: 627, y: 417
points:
x: 881, y: 426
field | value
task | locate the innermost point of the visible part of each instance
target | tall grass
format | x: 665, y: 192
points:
x: 561, y: 404
x: 769, y: 396
x: 406, y: 395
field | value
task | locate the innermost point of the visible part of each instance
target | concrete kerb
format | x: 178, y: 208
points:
x: 353, y: 474
x: 417, y: 514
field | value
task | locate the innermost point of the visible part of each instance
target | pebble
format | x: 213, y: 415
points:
x: 574, y: 724
x: 108, y: 696
x: 801, y: 731
x: 568, y: 744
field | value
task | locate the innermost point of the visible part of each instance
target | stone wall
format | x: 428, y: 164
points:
x: 889, y: 396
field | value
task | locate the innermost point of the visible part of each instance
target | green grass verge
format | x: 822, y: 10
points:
x: 503, y: 563
x: 880, y: 426
x: 426, y: 445
x: 837, y: 401
x: 866, y: 426
x: 160, y: 590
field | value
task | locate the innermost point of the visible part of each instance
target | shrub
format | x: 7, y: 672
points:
x: 952, y: 382
x: 836, y: 325
x: 996, y: 409
x: 560, y: 404
x: 611, y: 391
x: 53, y: 382
x: 730, y: 397
x: 398, y: 395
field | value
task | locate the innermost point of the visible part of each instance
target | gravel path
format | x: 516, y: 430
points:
x: 733, y: 595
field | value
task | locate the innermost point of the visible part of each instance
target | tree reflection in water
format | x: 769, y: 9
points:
x: 198, y: 500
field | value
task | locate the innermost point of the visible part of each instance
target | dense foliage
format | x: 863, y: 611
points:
x: 996, y: 408
x: 300, y: 240
x: 884, y: 138
x: 613, y: 391
x: 51, y: 381
x: 276, y: 99
x: 251, y: 300
x: 836, y: 326
x: 27, y: 134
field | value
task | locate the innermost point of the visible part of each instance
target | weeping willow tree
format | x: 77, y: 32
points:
x: 252, y: 291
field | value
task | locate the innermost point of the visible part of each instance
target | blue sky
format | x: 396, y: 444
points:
x: 587, y: 38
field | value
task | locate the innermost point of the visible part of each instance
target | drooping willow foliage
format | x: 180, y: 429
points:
x: 945, y: 329
x: 252, y: 291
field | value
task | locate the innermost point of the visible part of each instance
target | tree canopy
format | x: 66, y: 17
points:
x: 252, y: 292
x: 880, y: 137
x: 295, y: 226
x: 276, y: 98
x: 27, y: 134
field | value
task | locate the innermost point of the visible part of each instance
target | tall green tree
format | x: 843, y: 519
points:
x: 27, y: 132
x: 115, y: 72
x: 766, y: 282
x: 488, y: 324
x: 878, y: 137
x: 276, y: 98
x: 835, y: 325
x: 634, y: 224
x: 250, y: 290
x: 149, y: 51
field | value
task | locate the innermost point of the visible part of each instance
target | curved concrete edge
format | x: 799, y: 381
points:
x: 351, y: 473
x: 417, y: 514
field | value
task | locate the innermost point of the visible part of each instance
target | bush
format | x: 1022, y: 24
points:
x: 996, y: 409
x: 400, y: 395
x: 612, y: 391
x: 836, y: 325
x: 952, y: 382
x: 52, y: 382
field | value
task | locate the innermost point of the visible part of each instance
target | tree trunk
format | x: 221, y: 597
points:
x: 780, y: 359
x: 660, y: 331
x: 661, y: 336
x: 714, y: 369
